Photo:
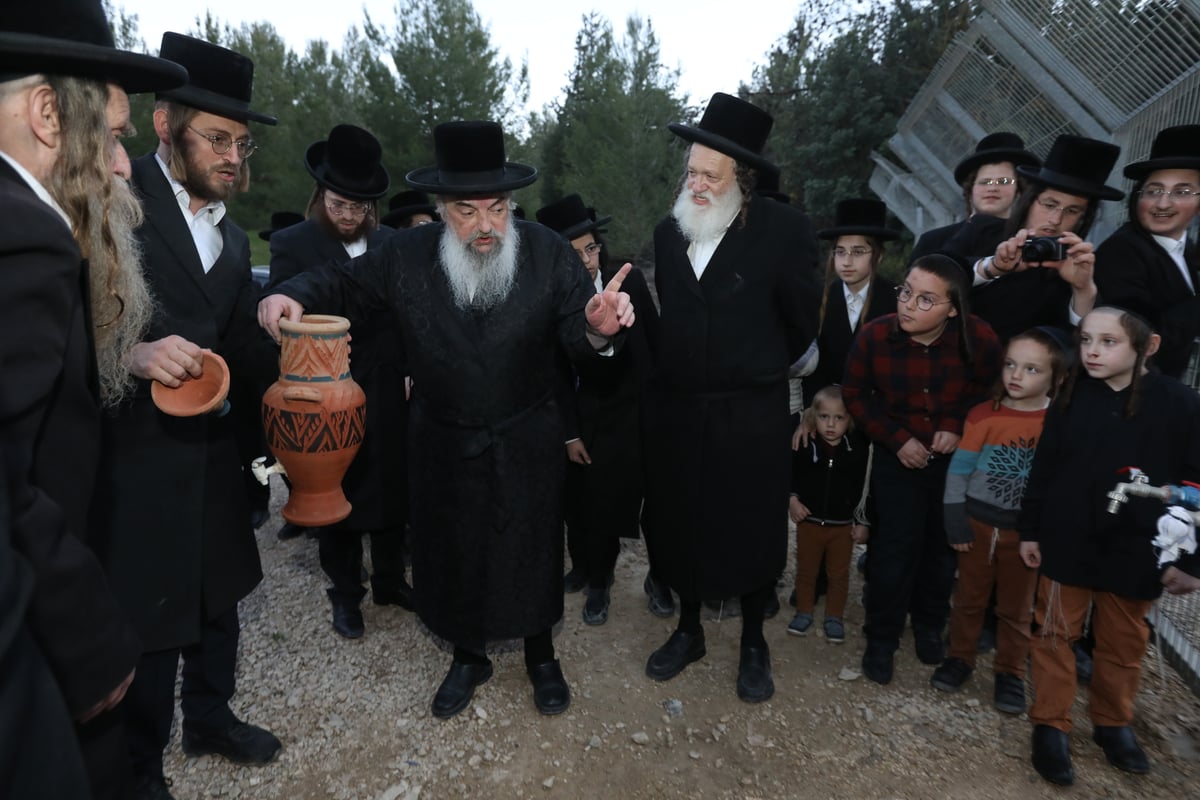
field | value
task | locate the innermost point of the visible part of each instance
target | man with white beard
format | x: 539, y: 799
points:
x: 736, y: 280
x: 482, y: 302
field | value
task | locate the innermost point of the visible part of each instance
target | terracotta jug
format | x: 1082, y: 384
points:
x: 314, y: 417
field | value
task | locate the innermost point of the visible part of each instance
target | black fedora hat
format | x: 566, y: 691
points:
x: 767, y: 184
x: 861, y: 216
x: 1173, y: 148
x: 731, y: 126
x: 1078, y: 165
x: 994, y: 148
x: 349, y: 162
x: 470, y: 161
x: 219, y: 79
x: 72, y: 37
x: 570, y: 218
x: 404, y: 205
x: 279, y: 221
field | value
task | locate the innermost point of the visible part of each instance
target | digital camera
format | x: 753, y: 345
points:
x: 1040, y: 249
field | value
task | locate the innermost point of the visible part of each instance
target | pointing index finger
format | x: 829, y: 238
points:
x: 615, y: 284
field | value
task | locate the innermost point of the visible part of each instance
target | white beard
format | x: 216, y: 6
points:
x: 480, y: 280
x: 700, y: 223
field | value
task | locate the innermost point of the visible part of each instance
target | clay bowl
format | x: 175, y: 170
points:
x: 195, y: 396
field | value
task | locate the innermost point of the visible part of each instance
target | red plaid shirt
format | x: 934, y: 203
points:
x: 897, y: 389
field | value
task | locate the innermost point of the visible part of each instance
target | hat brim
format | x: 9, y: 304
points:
x: 720, y: 144
x: 1018, y: 158
x: 886, y: 234
x: 1140, y: 169
x: 580, y: 228
x: 375, y: 188
x: 219, y: 104
x: 435, y: 181
x: 28, y: 54
x: 1071, y: 184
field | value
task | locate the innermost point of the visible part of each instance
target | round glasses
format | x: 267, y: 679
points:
x: 340, y: 208
x: 221, y: 142
x: 589, y: 252
x: 924, y: 301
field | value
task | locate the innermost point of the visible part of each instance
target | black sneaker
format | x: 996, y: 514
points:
x: 878, y: 662
x: 595, y: 608
x: 1009, y: 693
x: 659, y: 599
x: 929, y: 646
x: 574, y: 581
x: 951, y: 675
x: 241, y: 743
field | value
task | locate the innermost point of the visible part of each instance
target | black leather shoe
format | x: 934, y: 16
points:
x: 931, y: 649
x: 772, y: 607
x: 658, y: 597
x: 1052, y: 755
x: 680, y: 650
x: 595, y: 608
x: 754, y: 684
x: 458, y: 687
x: 1008, y: 696
x: 347, y: 618
x: 150, y: 787
x: 1121, y: 748
x: 574, y: 581
x: 877, y: 662
x: 289, y: 531
x: 241, y: 742
x: 393, y: 596
x: 551, y: 694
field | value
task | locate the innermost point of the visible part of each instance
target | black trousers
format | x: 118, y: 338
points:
x: 341, y: 553
x: 208, y: 684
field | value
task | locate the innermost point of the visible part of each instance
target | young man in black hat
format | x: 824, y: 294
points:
x: 180, y: 551
x: 1147, y: 265
x: 483, y: 303
x: 736, y: 277
x: 409, y: 209
x: 343, y: 223
x: 66, y: 650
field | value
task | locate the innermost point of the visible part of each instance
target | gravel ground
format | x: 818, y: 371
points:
x: 354, y: 715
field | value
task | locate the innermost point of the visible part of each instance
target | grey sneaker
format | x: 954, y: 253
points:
x: 800, y: 624
x: 835, y: 631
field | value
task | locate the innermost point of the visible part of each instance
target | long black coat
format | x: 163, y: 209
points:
x: 485, y: 432
x: 375, y: 482
x: 718, y: 438
x: 1133, y: 271
x: 835, y: 337
x: 172, y: 501
x: 50, y: 442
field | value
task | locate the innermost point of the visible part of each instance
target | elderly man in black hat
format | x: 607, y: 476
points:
x: 66, y: 648
x: 736, y: 277
x: 1147, y: 265
x: 482, y: 302
x: 343, y: 223
x: 409, y: 209
x: 180, y: 550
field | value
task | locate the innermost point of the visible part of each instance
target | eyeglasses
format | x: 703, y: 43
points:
x: 924, y: 302
x: 1175, y: 195
x: 221, y: 142
x: 853, y: 252
x: 1066, y: 211
x: 340, y: 208
x: 589, y: 252
x: 995, y: 181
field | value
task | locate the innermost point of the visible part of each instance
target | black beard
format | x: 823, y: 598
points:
x: 330, y: 227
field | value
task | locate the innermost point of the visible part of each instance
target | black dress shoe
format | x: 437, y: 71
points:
x: 877, y: 662
x: 595, y: 608
x: 574, y: 581
x: 289, y: 531
x: 772, y: 607
x: 347, y: 618
x: 551, y: 694
x: 931, y: 649
x: 754, y: 684
x: 241, y: 742
x: 150, y: 787
x: 680, y: 650
x: 400, y: 595
x: 1052, y: 755
x: 1121, y: 748
x: 458, y: 687
x: 658, y: 597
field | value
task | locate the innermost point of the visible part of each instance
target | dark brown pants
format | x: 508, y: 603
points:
x: 833, y: 543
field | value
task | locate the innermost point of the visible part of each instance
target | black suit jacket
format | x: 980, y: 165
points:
x: 835, y: 336
x: 50, y: 438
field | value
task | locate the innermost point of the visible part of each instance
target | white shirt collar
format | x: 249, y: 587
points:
x: 214, y: 212
x: 36, y: 186
x: 356, y: 248
x: 851, y: 297
x: 1173, y: 246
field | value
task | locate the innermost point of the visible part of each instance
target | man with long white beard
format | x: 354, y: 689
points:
x: 482, y: 302
x: 736, y: 280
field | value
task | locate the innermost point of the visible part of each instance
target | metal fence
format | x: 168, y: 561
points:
x: 1108, y: 69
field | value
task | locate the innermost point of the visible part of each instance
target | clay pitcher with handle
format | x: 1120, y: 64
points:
x: 314, y: 417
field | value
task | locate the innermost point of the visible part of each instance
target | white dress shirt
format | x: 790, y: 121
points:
x: 356, y: 248
x: 202, y: 224
x: 854, y: 303
x: 701, y: 252
x: 1174, y: 248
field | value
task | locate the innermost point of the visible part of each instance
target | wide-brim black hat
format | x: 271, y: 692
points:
x: 570, y: 218
x: 349, y: 162
x: 861, y: 216
x: 219, y: 79
x: 731, y: 126
x: 1173, y: 148
x: 279, y: 221
x: 404, y: 205
x: 767, y: 184
x: 470, y: 161
x: 993, y: 149
x: 1078, y: 165
x: 72, y: 37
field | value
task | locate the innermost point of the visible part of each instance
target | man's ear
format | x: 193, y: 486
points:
x: 43, y: 115
x: 161, y: 129
x: 1153, y: 345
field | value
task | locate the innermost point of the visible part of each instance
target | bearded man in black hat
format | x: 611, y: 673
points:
x: 736, y: 279
x: 343, y: 223
x: 180, y: 550
x: 66, y: 649
x: 482, y: 302
x: 1147, y: 265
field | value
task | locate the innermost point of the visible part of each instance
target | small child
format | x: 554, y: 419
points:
x: 984, y: 485
x: 829, y: 479
x: 1112, y: 413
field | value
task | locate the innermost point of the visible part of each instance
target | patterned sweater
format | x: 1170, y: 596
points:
x: 987, y: 474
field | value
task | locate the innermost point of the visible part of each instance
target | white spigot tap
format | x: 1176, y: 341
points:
x: 262, y: 472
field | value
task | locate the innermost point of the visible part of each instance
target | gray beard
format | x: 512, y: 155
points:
x: 479, y: 280
x: 702, y: 223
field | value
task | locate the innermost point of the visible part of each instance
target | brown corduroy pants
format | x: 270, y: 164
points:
x: 833, y: 542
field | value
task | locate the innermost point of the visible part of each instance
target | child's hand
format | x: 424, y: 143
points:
x: 913, y: 454
x: 797, y: 510
x: 1176, y: 581
x: 945, y: 442
x: 859, y: 534
x: 1031, y: 554
x: 962, y: 547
